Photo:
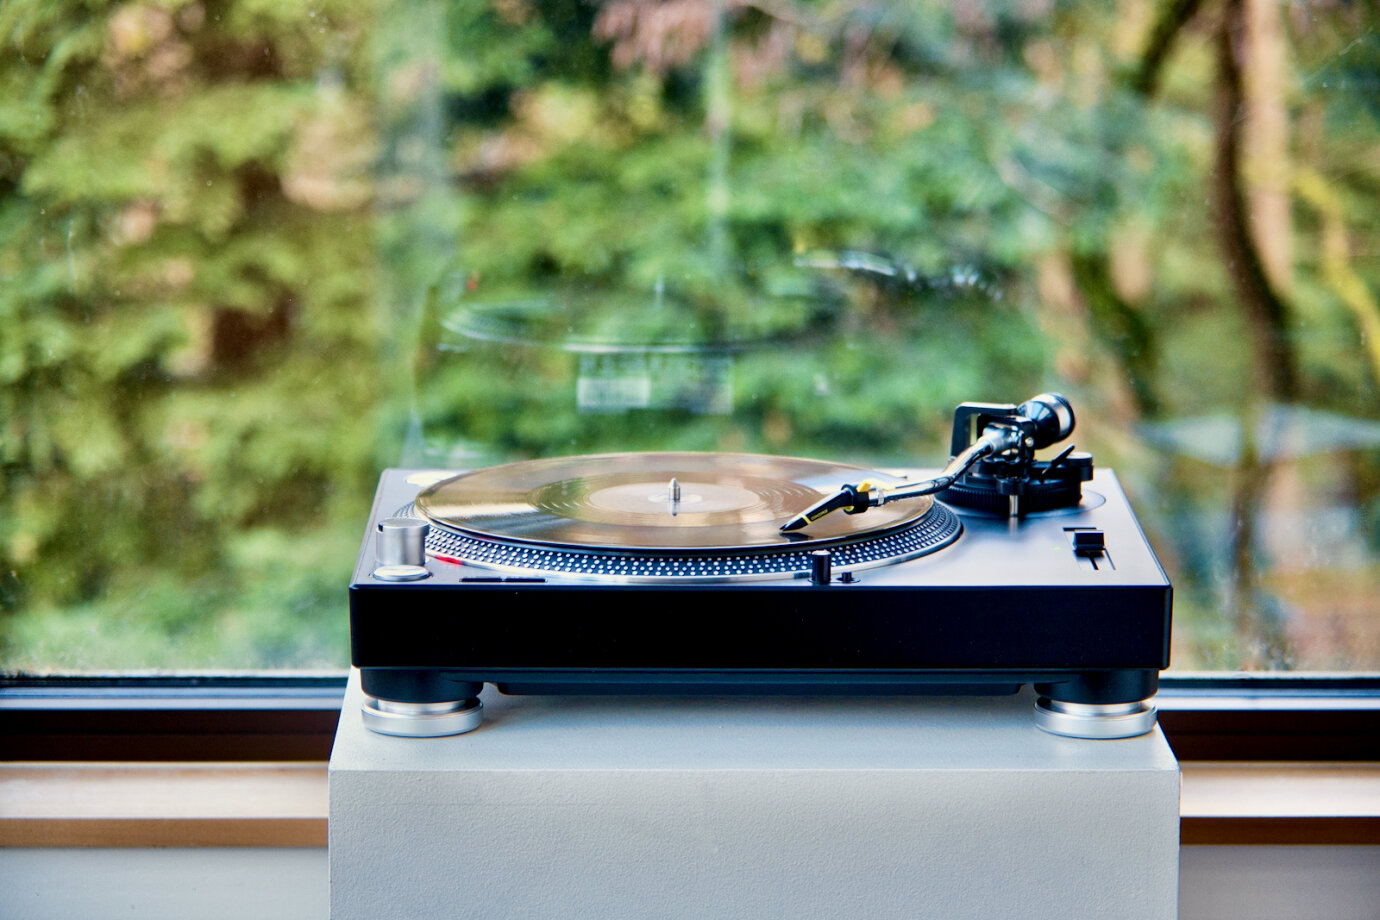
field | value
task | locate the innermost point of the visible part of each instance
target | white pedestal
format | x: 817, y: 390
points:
x: 792, y: 808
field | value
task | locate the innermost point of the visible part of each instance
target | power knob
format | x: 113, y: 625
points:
x: 400, y: 551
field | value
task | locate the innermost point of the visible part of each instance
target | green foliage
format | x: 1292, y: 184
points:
x: 187, y: 342
x: 252, y: 250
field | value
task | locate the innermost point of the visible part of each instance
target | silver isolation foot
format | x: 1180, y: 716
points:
x: 1095, y: 720
x: 422, y: 720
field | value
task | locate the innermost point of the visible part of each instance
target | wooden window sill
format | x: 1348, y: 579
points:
x: 163, y: 805
x: 1279, y: 803
x: 286, y: 804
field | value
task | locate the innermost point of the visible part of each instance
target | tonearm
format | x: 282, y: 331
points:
x: 992, y: 464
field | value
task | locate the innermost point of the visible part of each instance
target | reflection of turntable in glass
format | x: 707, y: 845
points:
x: 731, y: 573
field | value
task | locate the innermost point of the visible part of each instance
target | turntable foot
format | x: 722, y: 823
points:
x: 422, y: 720
x: 1095, y: 720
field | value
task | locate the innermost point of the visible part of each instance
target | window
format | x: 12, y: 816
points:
x: 253, y: 255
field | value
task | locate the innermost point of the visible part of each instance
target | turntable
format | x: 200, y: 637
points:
x: 735, y: 573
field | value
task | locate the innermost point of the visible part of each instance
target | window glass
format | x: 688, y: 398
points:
x: 253, y: 253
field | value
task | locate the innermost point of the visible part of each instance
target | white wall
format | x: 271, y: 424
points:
x: 1216, y: 883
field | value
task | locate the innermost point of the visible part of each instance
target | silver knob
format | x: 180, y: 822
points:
x: 400, y: 552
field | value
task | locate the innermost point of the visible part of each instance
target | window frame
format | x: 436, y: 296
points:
x: 270, y: 717
x: 170, y: 718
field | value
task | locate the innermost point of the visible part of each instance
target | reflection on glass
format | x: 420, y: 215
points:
x: 264, y: 254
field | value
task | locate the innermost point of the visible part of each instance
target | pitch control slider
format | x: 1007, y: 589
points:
x: 853, y: 499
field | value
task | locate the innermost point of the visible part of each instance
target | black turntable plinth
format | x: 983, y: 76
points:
x: 729, y: 573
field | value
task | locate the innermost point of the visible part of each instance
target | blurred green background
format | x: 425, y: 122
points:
x: 251, y: 253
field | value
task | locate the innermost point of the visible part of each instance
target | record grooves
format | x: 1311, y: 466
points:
x: 700, y: 517
x: 937, y: 529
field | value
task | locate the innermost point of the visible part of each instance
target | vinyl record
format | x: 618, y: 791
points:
x: 658, y: 501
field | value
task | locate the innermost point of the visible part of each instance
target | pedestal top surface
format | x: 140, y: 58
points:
x: 869, y: 733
